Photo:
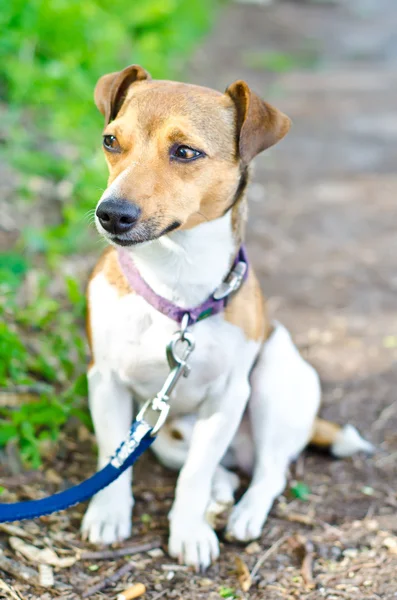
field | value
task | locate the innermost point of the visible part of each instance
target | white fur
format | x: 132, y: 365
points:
x: 349, y: 441
x: 129, y: 340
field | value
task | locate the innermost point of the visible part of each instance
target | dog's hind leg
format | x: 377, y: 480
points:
x: 284, y: 402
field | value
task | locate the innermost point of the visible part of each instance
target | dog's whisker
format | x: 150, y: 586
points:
x: 90, y: 214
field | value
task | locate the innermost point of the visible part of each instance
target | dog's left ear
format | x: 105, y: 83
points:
x: 111, y: 90
x: 259, y: 125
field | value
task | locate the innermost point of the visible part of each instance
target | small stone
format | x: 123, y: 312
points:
x: 350, y: 552
x: 336, y: 552
x: 391, y: 544
x: 155, y: 553
x: 148, y: 496
x: 205, y: 582
x: 46, y: 575
x: 53, y: 477
x: 253, y: 548
x: 372, y: 524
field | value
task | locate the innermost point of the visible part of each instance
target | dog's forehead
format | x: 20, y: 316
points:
x: 154, y: 103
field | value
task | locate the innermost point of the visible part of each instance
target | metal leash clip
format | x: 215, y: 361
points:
x: 232, y: 283
x: 182, y: 341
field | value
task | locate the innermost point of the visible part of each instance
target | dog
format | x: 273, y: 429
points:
x: 178, y: 157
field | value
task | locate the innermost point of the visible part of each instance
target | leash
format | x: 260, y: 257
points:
x: 154, y: 412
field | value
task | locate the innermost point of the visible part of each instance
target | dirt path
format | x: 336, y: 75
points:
x: 322, y: 237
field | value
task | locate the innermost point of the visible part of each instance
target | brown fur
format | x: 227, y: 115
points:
x: 324, y: 433
x: 109, y: 266
x: 247, y: 310
x: 260, y: 124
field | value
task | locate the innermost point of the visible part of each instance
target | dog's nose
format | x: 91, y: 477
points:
x: 117, y: 216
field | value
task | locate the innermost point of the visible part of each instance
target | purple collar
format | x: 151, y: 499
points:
x: 215, y: 304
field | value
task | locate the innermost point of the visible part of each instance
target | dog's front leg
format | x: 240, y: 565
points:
x: 192, y: 540
x: 108, y: 518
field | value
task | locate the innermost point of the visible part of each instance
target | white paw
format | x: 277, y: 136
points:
x: 193, y: 543
x: 108, y: 517
x: 248, y: 517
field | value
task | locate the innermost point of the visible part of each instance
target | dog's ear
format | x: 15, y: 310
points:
x: 111, y: 89
x: 259, y: 125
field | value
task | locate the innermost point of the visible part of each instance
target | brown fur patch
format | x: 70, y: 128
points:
x: 324, y: 433
x: 247, y: 310
x: 108, y: 264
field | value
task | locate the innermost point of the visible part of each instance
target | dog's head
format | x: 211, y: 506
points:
x: 177, y: 153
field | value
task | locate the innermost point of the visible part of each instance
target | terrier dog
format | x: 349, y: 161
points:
x: 174, y: 211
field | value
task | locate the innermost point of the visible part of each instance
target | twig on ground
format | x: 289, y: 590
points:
x: 109, y: 580
x: 9, y: 590
x: 21, y: 479
x: 294, y: 517
x: 19, y: 570
x: 111, y: 554
x: 307, y: 563
x: 384, y: 416
x: 267, y: 554
x: 159, y: 595
x: 175, y: 568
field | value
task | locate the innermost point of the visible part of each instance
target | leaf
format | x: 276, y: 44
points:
x: 243, y: 574
x: 146, y: 519
x: 8, y: 431
x: 227, y: 592
x: 300, y: 490
x: 14, y: 263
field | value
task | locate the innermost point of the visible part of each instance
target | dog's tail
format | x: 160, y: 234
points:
x: 340, y: 441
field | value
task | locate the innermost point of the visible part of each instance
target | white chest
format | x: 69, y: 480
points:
x: 130, y: 338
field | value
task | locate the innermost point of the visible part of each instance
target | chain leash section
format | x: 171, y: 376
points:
x: 179, y: 349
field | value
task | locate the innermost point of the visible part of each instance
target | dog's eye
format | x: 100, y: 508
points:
x: 110, y: 143
x: 184, y: 153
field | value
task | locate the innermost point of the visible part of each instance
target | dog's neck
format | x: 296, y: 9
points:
x: 187, y: 266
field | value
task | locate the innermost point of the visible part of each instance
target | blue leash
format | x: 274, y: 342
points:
x: 140, y: 437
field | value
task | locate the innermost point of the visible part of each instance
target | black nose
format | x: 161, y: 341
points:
x: 117, y: 216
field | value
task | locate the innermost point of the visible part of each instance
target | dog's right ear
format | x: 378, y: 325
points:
x: 259, y: 125
x: 111, y: 90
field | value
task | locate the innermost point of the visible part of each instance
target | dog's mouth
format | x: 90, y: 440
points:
x: 142, y: 232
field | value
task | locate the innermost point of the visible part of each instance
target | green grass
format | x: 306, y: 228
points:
x: 51, y: 54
